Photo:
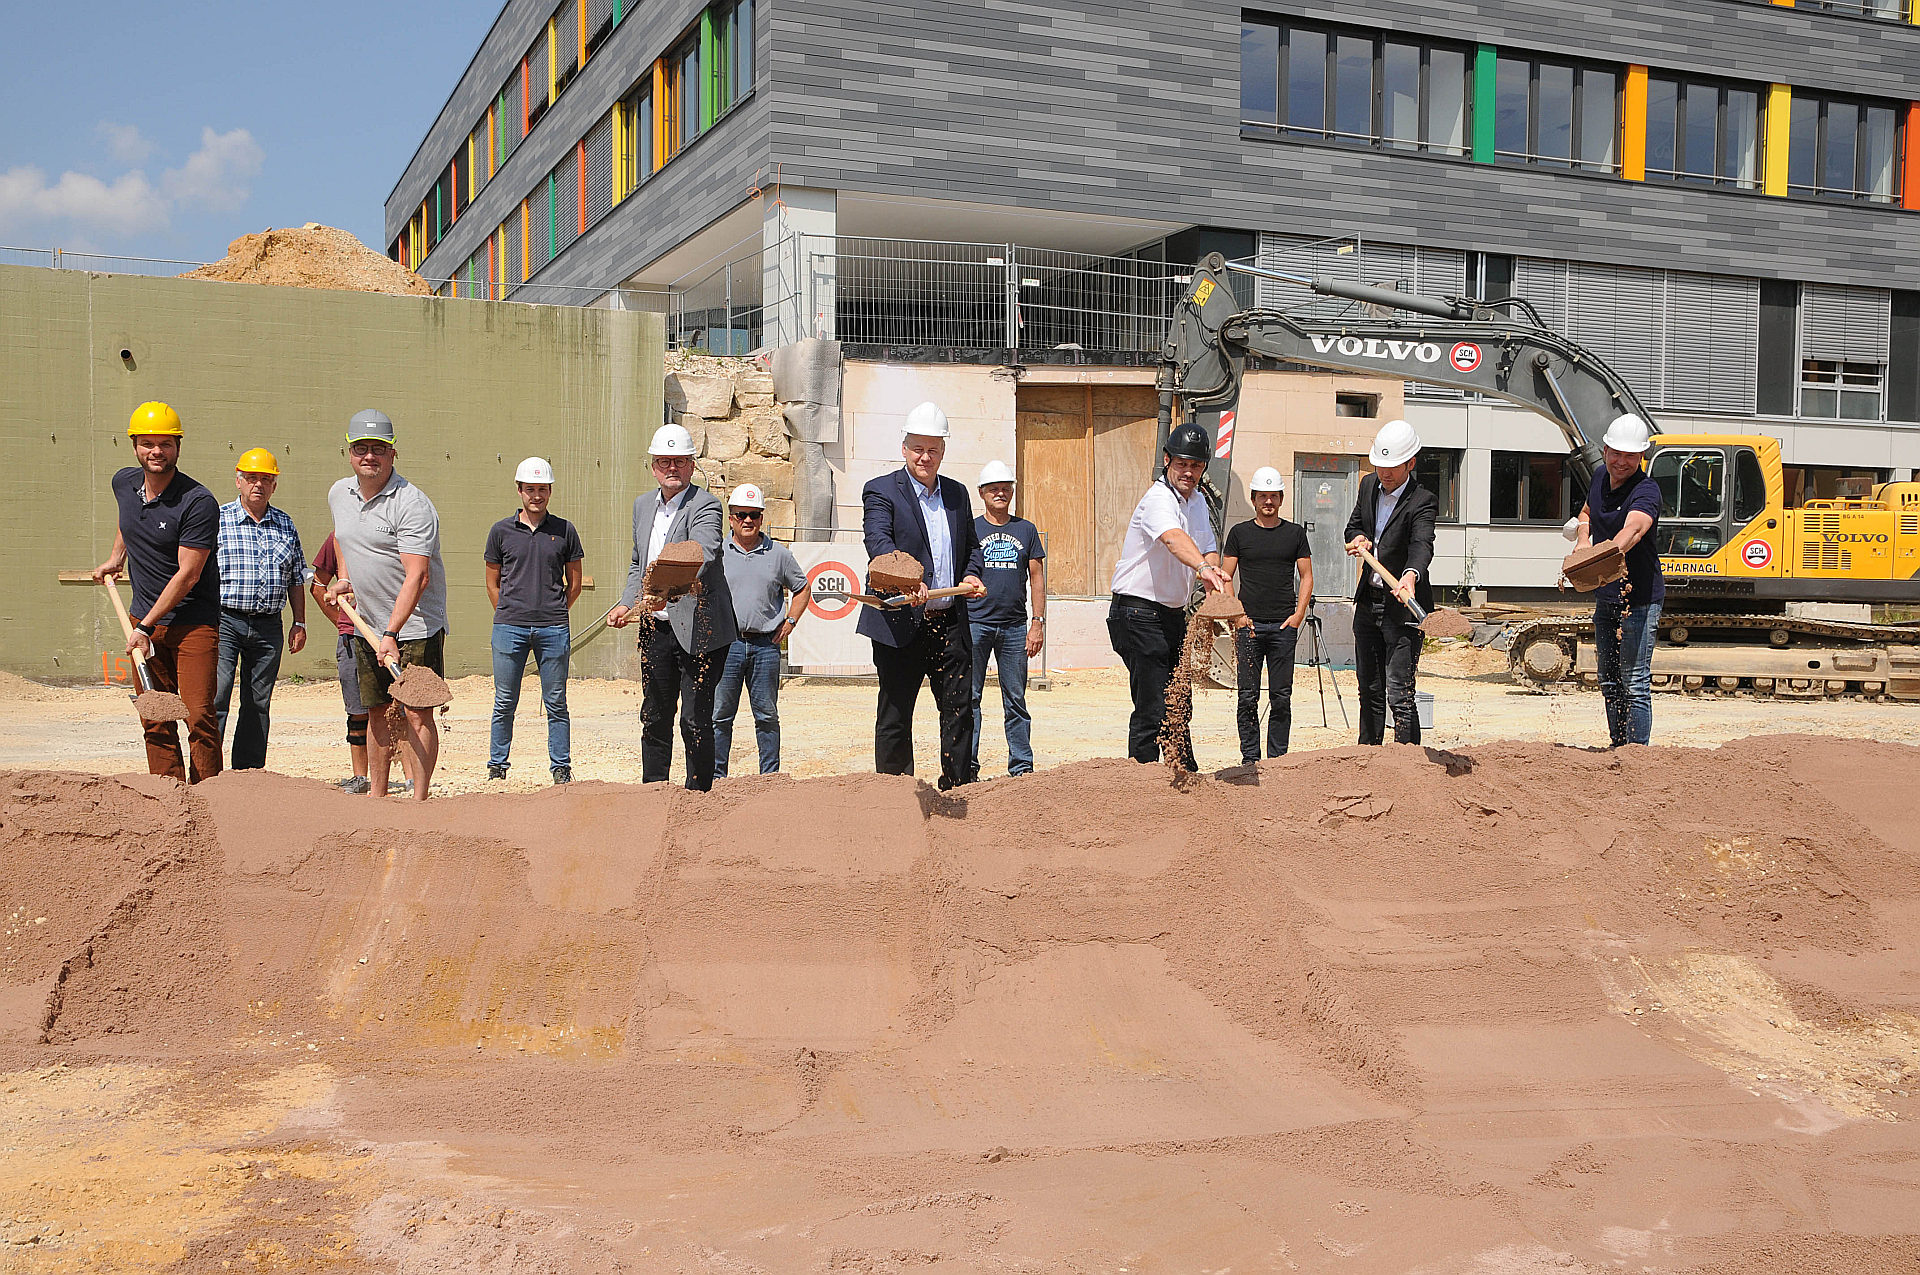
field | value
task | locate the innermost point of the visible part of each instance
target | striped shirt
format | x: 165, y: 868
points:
x: 259, y: 561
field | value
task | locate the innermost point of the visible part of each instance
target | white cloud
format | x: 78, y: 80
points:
x: 126, y: 143
x: 217, y: 177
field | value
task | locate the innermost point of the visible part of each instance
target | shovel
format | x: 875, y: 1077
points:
x: 1406, y: 598
x: 414, y: 685
x: 895, y: 602
x: 152, y: 705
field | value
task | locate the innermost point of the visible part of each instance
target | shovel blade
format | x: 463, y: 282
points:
x: 160, y: 706
x: 420, y: 687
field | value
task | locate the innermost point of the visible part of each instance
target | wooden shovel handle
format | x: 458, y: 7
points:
x: 126, y: 627
x: 1406, y: 599
x: 371, y: 638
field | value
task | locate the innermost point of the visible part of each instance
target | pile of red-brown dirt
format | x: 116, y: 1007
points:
x: 1515, y: 1008
x: 312, y: 256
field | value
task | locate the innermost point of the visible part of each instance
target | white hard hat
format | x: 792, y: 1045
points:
x: 533, y: 470
x: 1395, y: 444
x: 1628, y: 434
x: 994, y: 471
x: 928, y: 420
x: 746, y: 496
x: 671, y: 440
x: 1266, y: 478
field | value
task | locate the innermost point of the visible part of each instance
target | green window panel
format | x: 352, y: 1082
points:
x: 709, y: 65
x: 1485, y: 68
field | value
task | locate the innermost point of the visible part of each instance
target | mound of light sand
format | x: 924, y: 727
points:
x: 312, y: 256
x: 1517, y: 1008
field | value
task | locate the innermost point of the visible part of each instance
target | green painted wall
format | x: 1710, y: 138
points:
x: 473, y: 388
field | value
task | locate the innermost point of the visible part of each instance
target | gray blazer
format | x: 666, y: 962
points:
x: 703, y: 619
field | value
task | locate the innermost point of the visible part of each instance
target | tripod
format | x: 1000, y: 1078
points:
x: 1319, y: 661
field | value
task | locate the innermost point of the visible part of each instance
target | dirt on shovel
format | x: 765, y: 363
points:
x: 160, y: 706
x: 420, y: 687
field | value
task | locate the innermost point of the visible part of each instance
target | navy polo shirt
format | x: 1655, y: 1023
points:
x: 533, y: 569
x: 1607, y: 510
x: 186, y: 516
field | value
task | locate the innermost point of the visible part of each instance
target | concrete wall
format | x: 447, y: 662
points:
x: 472, y: 387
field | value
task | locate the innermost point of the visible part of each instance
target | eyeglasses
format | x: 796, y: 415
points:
x: 245, y: 477
x: 370, y: 449
x: 745, y: 515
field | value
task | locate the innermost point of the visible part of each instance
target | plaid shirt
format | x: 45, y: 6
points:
x: 259, y: 561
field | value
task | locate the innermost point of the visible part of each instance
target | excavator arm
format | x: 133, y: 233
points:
x: 1467, y: 345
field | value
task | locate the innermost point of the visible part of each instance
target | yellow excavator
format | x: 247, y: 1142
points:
x: 1733, y: 554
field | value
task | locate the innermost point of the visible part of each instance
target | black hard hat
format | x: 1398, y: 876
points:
x: 1189, y: 442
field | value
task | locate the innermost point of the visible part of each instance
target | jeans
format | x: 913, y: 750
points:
x: 1623, y: 646
x: 939, y: 655
x: 753, y: 661
x: 253, y: 643
x: 1386, y: 656
x: 1007, y: 644
x: 1150, y: 639
x: 676, y: 680
x: 512, y: 643
x: 1268, y: 645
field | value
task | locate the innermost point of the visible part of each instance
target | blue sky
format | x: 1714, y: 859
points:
x: 167, y: 129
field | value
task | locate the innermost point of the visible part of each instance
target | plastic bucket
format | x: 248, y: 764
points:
x: 1423, y: 704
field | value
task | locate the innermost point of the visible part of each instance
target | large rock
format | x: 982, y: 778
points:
x: 767, y: 434
x: 702, y: 394
x: 726, y: 440
x: 753, y: 389
x: 774, y: 478
x: 780, y: 519
x: 696, y: 427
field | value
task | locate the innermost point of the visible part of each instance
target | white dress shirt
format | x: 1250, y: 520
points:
x: 1384, y: 506
x: 939, y: 539
x: 662, y: 519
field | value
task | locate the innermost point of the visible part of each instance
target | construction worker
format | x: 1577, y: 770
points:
x: 388, y: 533
x: 683, y: 642
x: 261, y: 570
x: 533, y: 579
x: 1623, y: 505
x: 915, y: 511
x: 169, y: 526
x: 769, y: 596
x: 1013, y: 566
x: 326, y: 569
x: 1393, y: 519
x: 1169, y: 542
x: 1267, y: 552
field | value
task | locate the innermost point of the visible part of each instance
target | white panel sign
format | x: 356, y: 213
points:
x: 825, y: 641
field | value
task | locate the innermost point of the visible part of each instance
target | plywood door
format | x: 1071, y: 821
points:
x: 1055, y: 480
x: 1125, y: 421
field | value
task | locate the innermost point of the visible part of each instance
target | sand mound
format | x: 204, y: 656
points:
x: 1413, y: 1008
x: 313, y: 256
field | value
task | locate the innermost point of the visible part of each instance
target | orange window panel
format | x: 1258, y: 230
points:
x: 1633, y: 126
x: 1910, y: 179
x: 580, y: 171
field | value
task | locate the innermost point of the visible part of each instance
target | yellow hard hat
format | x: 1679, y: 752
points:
x: 258, y: 460
x: 154, y: 418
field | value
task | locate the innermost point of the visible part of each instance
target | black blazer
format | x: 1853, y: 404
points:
x: 1405, y: 543
x: 892, y: 520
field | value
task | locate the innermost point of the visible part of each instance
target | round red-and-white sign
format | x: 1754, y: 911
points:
x: 1465, y: 356
x: 1756, y: 553
x: 833, y: 583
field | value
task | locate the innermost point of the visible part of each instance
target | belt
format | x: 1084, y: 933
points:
x: 765, y: 633
x: 1134, y: 599
x: 241, y: 611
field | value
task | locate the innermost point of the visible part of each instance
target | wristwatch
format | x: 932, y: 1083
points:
x: 144, y: 627
x: 386, y: 633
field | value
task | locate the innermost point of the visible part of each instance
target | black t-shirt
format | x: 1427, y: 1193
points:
x: 186, y: 516
x: 1004, y: 555
x: 1267, y: 556
x: 533, y: 569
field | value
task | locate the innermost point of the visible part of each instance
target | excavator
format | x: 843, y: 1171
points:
x: 1733, y: 554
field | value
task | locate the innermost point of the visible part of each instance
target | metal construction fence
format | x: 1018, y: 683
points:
x: 101, y: 262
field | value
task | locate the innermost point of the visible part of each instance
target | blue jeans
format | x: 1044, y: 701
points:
x: 252, y: 642
x: 512, y: 643
x: 1007, y: 644
x: 753, y: 661
x: 1623, y: 647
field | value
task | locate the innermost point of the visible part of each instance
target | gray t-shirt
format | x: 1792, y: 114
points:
x: 371, y: 536
x: 760, y: 582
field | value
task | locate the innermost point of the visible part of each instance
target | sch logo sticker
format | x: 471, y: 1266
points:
x: 1756, y: 553
x: 832, y: 584
x: 1465, y: 356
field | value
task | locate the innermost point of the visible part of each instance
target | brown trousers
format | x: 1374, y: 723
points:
x: 186, y: 661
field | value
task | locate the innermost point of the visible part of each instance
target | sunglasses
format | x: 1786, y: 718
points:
x: 745, y: 514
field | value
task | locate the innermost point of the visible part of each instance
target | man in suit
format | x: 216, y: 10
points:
x: 683, y: 642
x: 1393, y: 519
x: 916, y: 511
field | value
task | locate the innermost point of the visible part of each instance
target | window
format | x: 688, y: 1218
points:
x: 1530, y: 487
x: 1364, y: 405
x: 1842, y: 149
x: 599, y: 24
x: 1692, y: 493
x: 732, y: 54
x: 1829, y: 482
x: 675, y: 131
x: 538, y: 67
x: 1884, y: 10
x: 1354, y: 87
x: 1749, y: 487
x: 566, y: 45
x: 1703, y: 132
x: 1556, y: 113
x: 1831, y: 389
x: 1438, y: 469
x: 636, y: 161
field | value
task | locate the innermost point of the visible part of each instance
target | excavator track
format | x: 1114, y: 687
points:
x: 1785, y: 657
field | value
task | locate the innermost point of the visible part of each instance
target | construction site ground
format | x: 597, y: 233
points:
x: 1508, y: 1002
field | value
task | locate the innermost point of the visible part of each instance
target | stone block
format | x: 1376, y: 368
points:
x: 710, y: 474
x: 696, y: 426
x: 780, y: 522
x: 703, y: 394
x: 753, y: 389
x: 726, y: 440
x: 767, y: 435
x: 774, y: 478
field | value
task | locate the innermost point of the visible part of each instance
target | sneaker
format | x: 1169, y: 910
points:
x: 496, y: 771
x: 399, y: 786
x: 356, y: 784
x: 563, y: 774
